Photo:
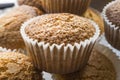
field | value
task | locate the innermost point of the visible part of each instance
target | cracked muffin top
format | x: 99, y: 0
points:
x: 16, y: 66
x: 60, y: 28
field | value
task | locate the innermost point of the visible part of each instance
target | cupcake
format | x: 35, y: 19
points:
x: 99, y: 67
x: 35, y: 3
x: 61, y: 42
x: 67, y: 6
x: 10, y: 23
x: 111, y: 14
x: 16, y: 66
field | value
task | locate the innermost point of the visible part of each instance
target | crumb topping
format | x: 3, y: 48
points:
x: 16, y: 66
x: 60, y: 28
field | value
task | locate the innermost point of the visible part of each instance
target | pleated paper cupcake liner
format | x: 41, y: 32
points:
x: 112, y: 32
x: 6, y: 50
x: 59, y: 58
x: 71, y: 6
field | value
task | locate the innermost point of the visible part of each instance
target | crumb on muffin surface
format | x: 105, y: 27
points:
x: 10, y: 24
x: 113, y: 13
x: 60, y: 28
x: 16, y: 66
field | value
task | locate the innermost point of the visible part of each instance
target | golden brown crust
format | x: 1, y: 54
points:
x: 60, y: 28
x: 10, y: 24
x: 16, y: 66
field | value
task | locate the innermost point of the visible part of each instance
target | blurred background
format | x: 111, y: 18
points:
x: 97, y: 4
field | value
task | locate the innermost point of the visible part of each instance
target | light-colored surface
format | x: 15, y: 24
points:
x: 7, y: 1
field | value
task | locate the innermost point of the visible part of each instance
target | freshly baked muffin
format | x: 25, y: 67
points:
x: 95, y: 16
x: 99, y: 67
x: 10, y: 24
x: 65, y: 6
x: 61, y: 42
x: 111, y: 14
x: 35, y: 3
x: 16, y: 66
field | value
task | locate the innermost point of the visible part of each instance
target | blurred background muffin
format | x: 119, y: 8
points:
x: 10, y: 24
x: 99, y: 67
x: 95, y: 16
x: 35, y: 3
x: 65, y: 6
x: 17, y: 66
x: 111, y: 15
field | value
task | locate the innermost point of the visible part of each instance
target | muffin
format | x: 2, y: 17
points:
x: 16, y: 66
x: 111, y: 14
x: 99, y: 67
x: 10, y: 23
x: 61, y: 42
x: 35, y: 3
x: 95, y: 16
x: 66, y: 6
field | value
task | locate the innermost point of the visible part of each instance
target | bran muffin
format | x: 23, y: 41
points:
x: 95, y: 16
x: 99, y: 67
x: 17, y: 66
x: 10, y: 24
x: 111, y: 14
x: 35, y: 3
x: 65, y: 6
x: 59, y: 43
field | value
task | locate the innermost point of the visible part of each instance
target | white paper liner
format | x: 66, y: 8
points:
x: 6, y: 50
x: 112, y: 32
x: 69, y: 6
x: 59, y: 58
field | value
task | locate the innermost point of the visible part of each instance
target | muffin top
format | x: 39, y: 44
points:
x: 99, y: 67
x: 113, y: 13
x: 16, y: 66
x: 10, y: 24
x: 60, y: 28
x: 12, y: 20
x: 35, y: 3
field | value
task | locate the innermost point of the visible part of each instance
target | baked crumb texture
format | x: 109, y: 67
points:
x: 113, y: 13
x: 10, y: 24
x: 16, y: 66
x: 60, y: 28
x: 99, y: 67
x: 35, y: 3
